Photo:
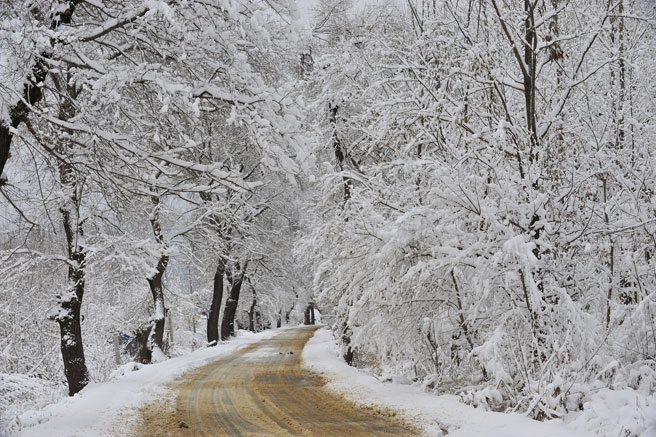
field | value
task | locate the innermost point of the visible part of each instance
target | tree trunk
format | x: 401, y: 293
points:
x: 215, y: 308
x: 251, y: 314
x: 32, y: 93
x: 618, y: 115
x: 348, y: 355
x: 340, y: 156
x: 309, y: 314
x: 144, y: 355
x: 235, y: 281
x: 156, y: 338
x: 69, y: 317
x: 346, y: 340
x: 18, y: 113
x: 306, y: 315
x: 611, y: 256
x: 463, y: 323
x: 530, y: 60
x: 72, y: 348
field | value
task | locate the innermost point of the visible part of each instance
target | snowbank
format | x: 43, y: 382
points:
x: 94, y: 410
x: 433, y: 413
x: 618, y: 413
x: 20, y: 392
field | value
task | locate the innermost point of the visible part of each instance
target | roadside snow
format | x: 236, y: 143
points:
x: 431, y: 412
x: 94, y: 410
x: 618, y: 413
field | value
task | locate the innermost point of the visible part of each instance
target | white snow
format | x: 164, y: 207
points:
x: 431, y: 412
x: 98, y: 408
x: 618, y: 413
x: 606, y: 412
x: 94, y: 411
x: 261, y: 354
x: 9, y: 87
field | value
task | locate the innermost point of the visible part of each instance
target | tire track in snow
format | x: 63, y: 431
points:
x: 262, y: 390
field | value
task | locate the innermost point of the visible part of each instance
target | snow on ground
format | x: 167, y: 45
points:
x: 431, y: 412
x: 94, y: 410
x: 618, y: 413
x: 261, y: 355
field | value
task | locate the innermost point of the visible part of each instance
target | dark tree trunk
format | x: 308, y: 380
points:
x: 156, y: 338
x: 18, y: 113
x: 346, y: 339
x: 144, y: 355
x: 309, y: 314
x: 530, y: 61
x: 69, y: 317
x: 251, y: 314
x: 5, y: 144
x: 159, y: 317
x: 306, y: 316
x: 215, y: 308
x: 338, y: 148
x: 348, y: 355
x: 235, y: 279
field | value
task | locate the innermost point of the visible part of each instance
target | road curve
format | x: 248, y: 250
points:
x: 262, y: 390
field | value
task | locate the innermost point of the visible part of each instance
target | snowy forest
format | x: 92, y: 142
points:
x: 463, y: 189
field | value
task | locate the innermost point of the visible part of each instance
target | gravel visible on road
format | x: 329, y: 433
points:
x: 263, y: 390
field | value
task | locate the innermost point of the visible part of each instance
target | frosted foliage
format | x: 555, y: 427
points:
x: 464, y: 190
x: 486, y: 249
x: 167, y: 135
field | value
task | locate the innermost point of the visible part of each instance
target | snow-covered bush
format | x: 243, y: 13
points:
x: 498, y: 239
x: 20, y: 392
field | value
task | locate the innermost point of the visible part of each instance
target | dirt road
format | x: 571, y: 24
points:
x: 263, y: 390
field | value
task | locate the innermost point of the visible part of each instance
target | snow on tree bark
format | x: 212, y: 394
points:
x: 158, y: 319
x: 215, y: 307
x: 235, y: 277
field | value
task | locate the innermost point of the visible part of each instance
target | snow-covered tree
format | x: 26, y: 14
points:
x: 120, y: 87
x: 475, y: 212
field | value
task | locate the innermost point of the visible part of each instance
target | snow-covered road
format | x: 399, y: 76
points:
x: 107, y: 409
x: 262, y: 390
x: 287, y: 381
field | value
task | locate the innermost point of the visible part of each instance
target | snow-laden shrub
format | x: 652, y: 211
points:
x: 624, y: 413
x: 19, y: 392
x: 516, y: 271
